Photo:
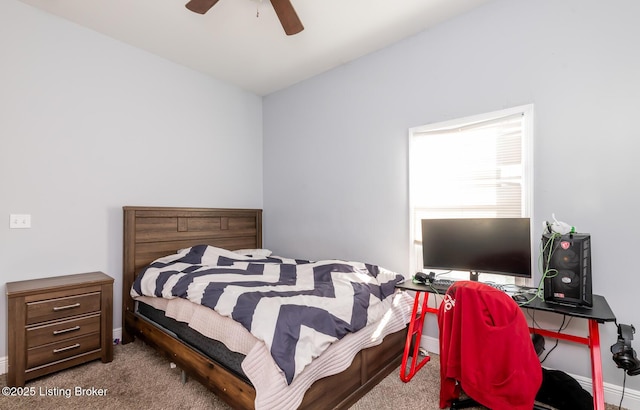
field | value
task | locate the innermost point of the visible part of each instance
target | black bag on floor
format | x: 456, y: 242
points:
x: 563, y: 392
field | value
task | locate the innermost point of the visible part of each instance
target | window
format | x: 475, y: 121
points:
x: 477, y: 167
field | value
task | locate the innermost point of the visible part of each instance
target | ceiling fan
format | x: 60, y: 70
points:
x: 285, y: 11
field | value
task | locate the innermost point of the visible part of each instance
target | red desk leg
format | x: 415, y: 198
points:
x: 596, y: 365
x: 593, y: 342
x: 415, y: 328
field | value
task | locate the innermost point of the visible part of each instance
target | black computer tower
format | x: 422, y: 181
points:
x: 567, y: 269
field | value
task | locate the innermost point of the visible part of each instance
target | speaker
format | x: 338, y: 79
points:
x: 567, y: 268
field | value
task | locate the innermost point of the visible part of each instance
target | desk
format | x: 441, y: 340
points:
x: 599, y: 313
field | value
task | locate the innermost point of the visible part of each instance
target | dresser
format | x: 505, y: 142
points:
x: 58, y: 322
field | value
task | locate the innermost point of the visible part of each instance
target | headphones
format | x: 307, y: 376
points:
x: 623, y: 353
x: 423, y: 278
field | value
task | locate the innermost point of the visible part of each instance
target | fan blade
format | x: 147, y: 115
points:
x: 200, y: 6
x: 287, y: 16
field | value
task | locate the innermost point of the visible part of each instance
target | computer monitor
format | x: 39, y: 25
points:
x: 478, y: 245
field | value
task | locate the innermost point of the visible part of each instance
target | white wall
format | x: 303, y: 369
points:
x: 88, y: 125
x: 335, y: 146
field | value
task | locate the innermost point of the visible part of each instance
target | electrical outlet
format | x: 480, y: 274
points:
x: 19, y: 221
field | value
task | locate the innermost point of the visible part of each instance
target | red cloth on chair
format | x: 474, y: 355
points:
x: 485, y: 346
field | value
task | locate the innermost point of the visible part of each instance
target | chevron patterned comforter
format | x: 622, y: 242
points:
x: 297, y: 307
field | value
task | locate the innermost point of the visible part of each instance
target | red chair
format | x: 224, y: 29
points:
x: 486, y: 350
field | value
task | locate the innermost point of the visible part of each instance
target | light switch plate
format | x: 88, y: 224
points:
x: 19, y: 221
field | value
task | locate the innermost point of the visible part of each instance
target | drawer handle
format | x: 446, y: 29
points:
x: 57, y: 308
x: 62, y: 349
x: 71, y: 329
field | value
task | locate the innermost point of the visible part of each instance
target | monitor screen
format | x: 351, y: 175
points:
x: 481, y: 245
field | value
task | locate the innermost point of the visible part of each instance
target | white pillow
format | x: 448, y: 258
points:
x: 254, y: 252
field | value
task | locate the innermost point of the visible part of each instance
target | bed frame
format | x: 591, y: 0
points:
x: 153, y: 232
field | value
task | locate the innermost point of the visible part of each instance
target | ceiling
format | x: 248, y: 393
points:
x: 242, y: 42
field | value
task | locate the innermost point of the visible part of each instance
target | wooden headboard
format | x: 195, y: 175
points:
x: 153, y: 232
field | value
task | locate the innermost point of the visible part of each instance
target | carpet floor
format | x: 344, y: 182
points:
x: 139, y: 378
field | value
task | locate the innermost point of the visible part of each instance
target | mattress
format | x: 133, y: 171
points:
x: 210, y: 348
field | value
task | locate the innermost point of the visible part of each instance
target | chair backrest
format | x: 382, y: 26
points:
x: 486, y: 349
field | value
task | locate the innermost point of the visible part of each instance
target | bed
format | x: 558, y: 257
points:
x: 242, y: 375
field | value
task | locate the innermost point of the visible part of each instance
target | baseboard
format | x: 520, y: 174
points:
x: 4, y: 361
x: 117, y: 335
x: 612, y: 392
x: 430, y: 344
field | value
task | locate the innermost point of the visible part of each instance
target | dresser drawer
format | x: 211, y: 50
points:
x: 52, y: 309
x: 61, y: 350
x: 62, y: 330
